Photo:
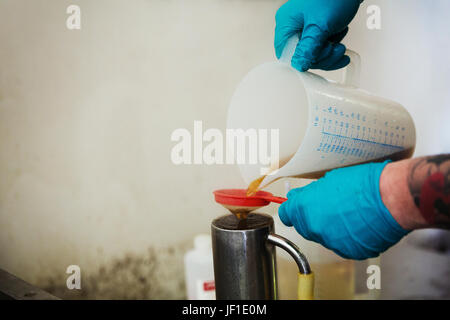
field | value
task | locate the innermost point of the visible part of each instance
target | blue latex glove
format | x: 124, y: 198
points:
x: 322, y: 24
x: 344, y: 212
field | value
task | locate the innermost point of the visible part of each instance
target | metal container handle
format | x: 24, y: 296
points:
x: 305, y: 289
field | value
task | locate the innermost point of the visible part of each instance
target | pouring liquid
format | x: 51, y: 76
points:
x: 253, y: 187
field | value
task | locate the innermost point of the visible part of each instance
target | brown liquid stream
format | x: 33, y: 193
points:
x: 253, y: 187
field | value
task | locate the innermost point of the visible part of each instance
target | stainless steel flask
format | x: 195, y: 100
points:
x: 245, y: 261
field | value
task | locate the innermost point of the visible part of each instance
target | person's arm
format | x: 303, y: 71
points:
x: 361, y: 211
x: 417, y: 191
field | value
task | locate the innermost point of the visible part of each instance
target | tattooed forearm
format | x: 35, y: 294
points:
x: 429, y: 185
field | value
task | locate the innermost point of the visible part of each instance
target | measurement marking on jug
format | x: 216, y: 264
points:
x: 364, y: 140
x: 353, y: 134
x: 354, y: 146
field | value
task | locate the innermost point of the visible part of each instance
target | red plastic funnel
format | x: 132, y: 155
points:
x: 237, y: 199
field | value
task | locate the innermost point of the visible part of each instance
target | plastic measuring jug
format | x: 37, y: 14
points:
x: 321, y: 124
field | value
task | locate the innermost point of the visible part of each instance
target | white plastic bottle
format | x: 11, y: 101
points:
x: 199, y: 270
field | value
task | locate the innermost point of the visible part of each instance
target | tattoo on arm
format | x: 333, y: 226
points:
x: 429, y: 185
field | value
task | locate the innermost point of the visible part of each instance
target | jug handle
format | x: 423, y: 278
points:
x: 352, y: 71
x: 305, y: 285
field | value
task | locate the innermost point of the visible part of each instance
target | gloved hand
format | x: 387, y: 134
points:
x: 344, y: 212
x: 322, y: 25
